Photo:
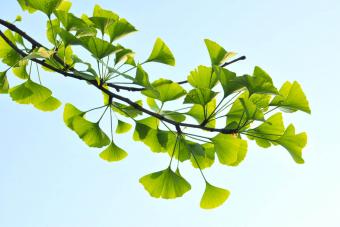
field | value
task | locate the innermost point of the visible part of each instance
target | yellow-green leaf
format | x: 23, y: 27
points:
x: 165, y: 184
x: 113, y: 153
x: 291, y: 98
x: 218, y: 54
x: 230, y: 149
x: 213, y: 197
x: 122, y: 127
x: 50, y: 104
x: 161, y: 53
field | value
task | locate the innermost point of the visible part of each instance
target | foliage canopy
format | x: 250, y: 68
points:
x: 221, y: 110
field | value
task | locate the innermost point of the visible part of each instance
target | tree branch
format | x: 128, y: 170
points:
x: 114, y: 95
x: 35, y: 43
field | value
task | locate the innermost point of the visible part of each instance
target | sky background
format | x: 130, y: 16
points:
x: 49, y: 178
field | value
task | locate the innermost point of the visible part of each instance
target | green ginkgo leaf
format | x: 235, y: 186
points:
x: 291, y: 98
x: 142, y: 77
x: 229, y: 81
x: 101, y: 23
x: 7, y: 54
x: 21, y: 72
x: 100, y: 12
x: 165, y: 184
x: 29, y: 93
x: 294, y: 143
x: 65, y: 5
x: 201, y: 96
x: 165, y: 90
x: 173, y: 115
x: 147, y: 131
x: 161, y: 53
x: 113, y: 153
x: 68, y: 38
x: 123, y: 127
x: 242, y: 111
x: 218, y: 54
x: 50, y: 104
x: 203, y: 155
x: 70, y: 112
x: 45, y: 6
x: 213, y: 196
x: 90, y: 132
x: 127, y: 110
x: 123, y: 55
x: 202, y: 77
x: 267, y: 132
x: 53, y: 27
x: 198, y: 112
x: 25, y: 6
x: 4, y: 85
x: 260, y: 82
x: 98, y: 48
x: 230, y: 149
x: 119, y: 28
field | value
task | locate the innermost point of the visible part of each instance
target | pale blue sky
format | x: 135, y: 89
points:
x: 49, y: 178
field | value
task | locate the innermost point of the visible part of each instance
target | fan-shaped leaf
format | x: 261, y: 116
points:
x: 269, y: 131
x: 90, y: 132
x: 165, y: 184
x: 45, y: 6
x: 218, y: 54
x: 230, y: 150
x: 50, y: 104
x: 113, y: 153
x: 166, y: 90
x: 291, y: 98
x: 122, y: 127
x: 29, y: 93
x: 161, y: 53
x: 294, y: 143
x: 202, y: 77
x: 201, y: 96
x: 213, y: 196
x: 98, y: 48
x: 4, y: 86
x: 119, y: 29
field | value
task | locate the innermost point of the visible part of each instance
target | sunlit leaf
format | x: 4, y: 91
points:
x: 203, y: 155
x: 218, y: 54
x: 70, y: 112
x: 213, y: 196
x: 4, y: 86
x: 120, y: 28
x: 90, y: 132
x: 98, y: 48
x: 7, y: 54
x: 166, y: 90
x: 230, y: 150
x: 202, y: 77
x: 230, y: 83
x: 161, y: 53
x: 50, y: 104
x: 201, y: 96
x: 113, y: 153
x: 269, y: 131
x: 165, y: 184
x: 260, y: 82
x: 294, y: 143
x: 291, y: 98
x: 125, y: 110
x: 29, y: 93
x: 45, y: 6
x: 122, y: 127
x: 197, y: 112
